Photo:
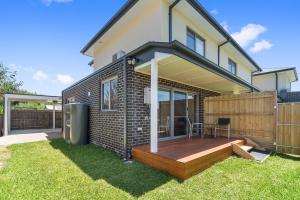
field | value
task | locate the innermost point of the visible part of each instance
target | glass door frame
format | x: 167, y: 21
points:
x: 187, y: 93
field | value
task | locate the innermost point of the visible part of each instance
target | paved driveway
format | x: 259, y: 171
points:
x: 29, y: 136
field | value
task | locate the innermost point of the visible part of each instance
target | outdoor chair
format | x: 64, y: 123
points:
x: 195, y: 126
x: 223, y: 124
x: 164, y: 130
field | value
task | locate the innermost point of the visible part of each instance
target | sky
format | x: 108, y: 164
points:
x: 42, y: 39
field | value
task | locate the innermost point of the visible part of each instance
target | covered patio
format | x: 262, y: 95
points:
x: 193, y: 70
x: 178, y: 154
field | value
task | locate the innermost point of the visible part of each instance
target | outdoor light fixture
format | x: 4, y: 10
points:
x: 132, y: 61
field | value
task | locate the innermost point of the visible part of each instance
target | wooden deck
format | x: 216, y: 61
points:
x: 184, y: 158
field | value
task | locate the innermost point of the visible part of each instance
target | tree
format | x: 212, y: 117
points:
x: 8, y: 83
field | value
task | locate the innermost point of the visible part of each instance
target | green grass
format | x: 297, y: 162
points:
x: 55, y: 170
x: 4, y: 155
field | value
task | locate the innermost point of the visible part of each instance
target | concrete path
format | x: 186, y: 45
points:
x: 29, y: 136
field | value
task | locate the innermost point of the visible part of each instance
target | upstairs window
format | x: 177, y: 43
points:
x: 109, y: 94
x: 195, y: 42
x: 232, y: 67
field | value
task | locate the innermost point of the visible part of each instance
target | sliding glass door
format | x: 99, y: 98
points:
x: 164, y: 113
x: 180, y: 114
x: 175, y: 108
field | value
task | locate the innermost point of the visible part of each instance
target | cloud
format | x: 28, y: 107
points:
x: 49, y: 2
x: 40, y: 75
x: 248, y: 34
x: 64, y: 78
x: 214, y: 12
x: 19, y: 68
x: 261, y: 46
x: 225, y: 25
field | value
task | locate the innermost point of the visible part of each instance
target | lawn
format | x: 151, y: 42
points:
x: 55, y: 170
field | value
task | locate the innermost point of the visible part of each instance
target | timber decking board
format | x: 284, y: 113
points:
x: 185, y: 157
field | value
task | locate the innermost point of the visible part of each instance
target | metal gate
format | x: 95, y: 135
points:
x: 287, y: 138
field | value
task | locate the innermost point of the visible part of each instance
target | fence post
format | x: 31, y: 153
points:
x: 53, y: 115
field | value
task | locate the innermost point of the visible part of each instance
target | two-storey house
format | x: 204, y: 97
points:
x: 154, y: 63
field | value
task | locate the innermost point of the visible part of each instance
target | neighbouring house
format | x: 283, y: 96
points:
x: 278, y: 80
x: 154, y: 64
x: 291, y: 97
x: 56, y: 107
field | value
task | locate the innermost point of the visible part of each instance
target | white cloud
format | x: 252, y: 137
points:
x: 248, y: 34
x: 49, y: 2
x: 261, y: 46
x: 225, y: 25
x: 64, y: 78
x: 19, y: 68
x: 214, y: 12
x: 40, y: 75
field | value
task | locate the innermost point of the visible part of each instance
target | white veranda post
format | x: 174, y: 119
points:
x: 6, y: 116
x: 154, y: 106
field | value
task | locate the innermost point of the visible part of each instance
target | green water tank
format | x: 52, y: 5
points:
x: 76, y: 123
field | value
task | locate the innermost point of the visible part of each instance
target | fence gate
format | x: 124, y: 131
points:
x: 288, y: 128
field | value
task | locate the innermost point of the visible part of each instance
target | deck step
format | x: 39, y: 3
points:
x: 247, y: 148
x: 241, y: 152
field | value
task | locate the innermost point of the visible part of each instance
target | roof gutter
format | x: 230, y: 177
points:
x: 91, y: 63
x: 194, y: 3
x: 171, y: 19
x: 124, y: 9
x: 125, y: 109
x: 219, y: 49
x: 205, y: 14
x: 278, y: 71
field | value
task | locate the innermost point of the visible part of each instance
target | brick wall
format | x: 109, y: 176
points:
x: 105, y: 128
x: 137, y: 110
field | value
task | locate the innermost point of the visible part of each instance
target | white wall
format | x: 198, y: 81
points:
x: 150, y: 22
x: 180, y: 24
x: 243, y: 71
x: 211, y: 46
x: 145, y: 26
x: 284, y: 82
x: 265, y: 82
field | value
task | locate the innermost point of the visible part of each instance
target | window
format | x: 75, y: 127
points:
x: 195, y: 42
x: 109, y: 94
x: 232, y: 67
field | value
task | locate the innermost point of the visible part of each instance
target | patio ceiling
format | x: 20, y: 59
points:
x: 174, y: 68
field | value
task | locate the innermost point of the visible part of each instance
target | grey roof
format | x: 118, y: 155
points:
x: 278, y: 71
x: 292, y: 97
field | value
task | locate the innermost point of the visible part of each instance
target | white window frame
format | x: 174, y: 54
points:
x: 102, y: 90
